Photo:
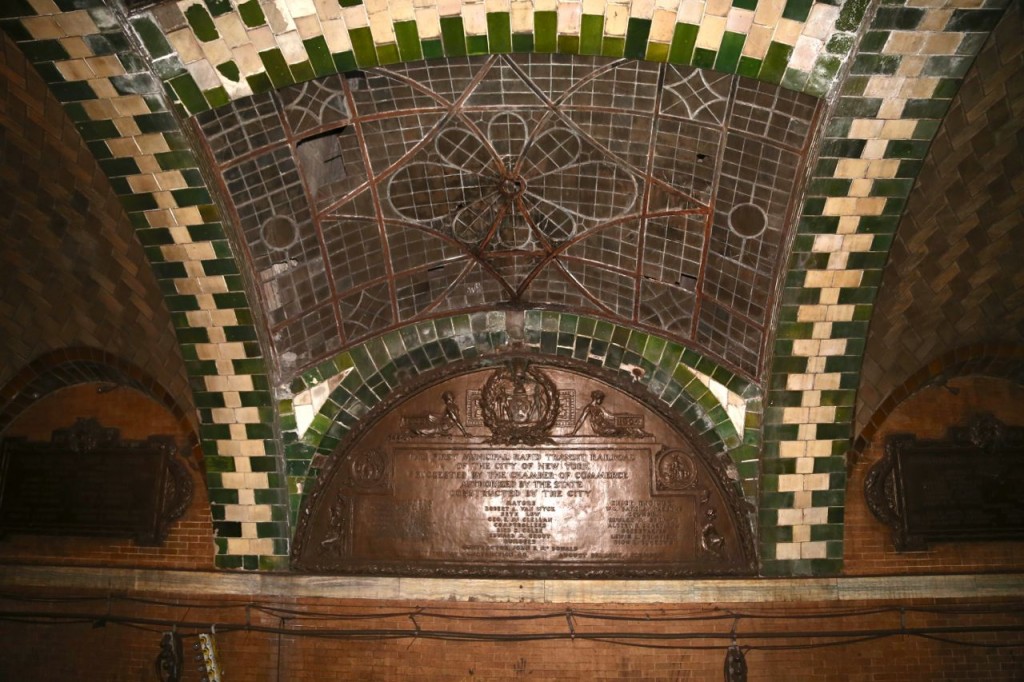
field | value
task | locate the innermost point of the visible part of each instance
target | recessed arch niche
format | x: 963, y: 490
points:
x: 524, y: 466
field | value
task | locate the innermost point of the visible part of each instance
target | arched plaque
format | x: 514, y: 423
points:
x: 523, y: 469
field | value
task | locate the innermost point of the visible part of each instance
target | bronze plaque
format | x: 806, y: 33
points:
x: 87, y: 481
x: 523, y: 469
x: 967, y: 487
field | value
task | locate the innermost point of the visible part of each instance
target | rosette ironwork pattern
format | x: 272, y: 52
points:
x: 651, y: 195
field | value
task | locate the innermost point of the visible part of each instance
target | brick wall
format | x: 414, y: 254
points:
x: 954, y: 276
x: 117, y: 652
x: 190, y: 541
x: 928, y: 414
x: 72, y: 272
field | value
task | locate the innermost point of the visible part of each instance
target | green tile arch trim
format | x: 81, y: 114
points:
x: 409, y: 41
x: 375, y: 368
x: 205, y: 234
x: 785, y: 433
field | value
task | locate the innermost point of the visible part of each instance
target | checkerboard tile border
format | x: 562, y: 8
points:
x: 212, y: 51
x: 120, y: 108
x: 903, y: 75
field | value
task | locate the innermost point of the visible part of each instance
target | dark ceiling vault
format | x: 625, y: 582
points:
x: 653, y: 195
x: 954, y: 277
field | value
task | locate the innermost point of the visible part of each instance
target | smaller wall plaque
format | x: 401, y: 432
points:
x: 969, y: 486
x: 87, y: 481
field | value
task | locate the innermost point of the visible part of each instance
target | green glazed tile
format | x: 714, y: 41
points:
x: 152, y: 37
x: 901, y: 18
x: 613, y: 46
x: 705, y: 59
x: 119, y: 168
x: 201, y: 23
x: 252, y: 14
x: 729, y: 52
x: 591, y: 33
x: 319, y: 55
x: 13, y: 27
x: 218, y: 7
x: 432, y: 48
x: 568, y: 44
x: 797, y: 10
x: 344, y: 61
x: 850, y: 15
x: 637, y: 33
x: 657, y: 52
x: 453, y: 36
x: 926, y: 130
x: 841, y: 43
x: 97, y: 130
x: 230, y: 71
x: 795, y: 79
x: 926, y: 108
x: 823, y: 75
x: 545, y: 25
x: 277, y: 67
x: 75, y: 91
x: 388, y: 53
x: 522, y: 42
x: 749, y: 67
x: 408, y: 40
x: 774, y: 66
x: 499, y: 32
x: 683, y: 42
x: 189, y: 93
x: 363, y: 47
x: 301, y: 72
x: 476, y: 45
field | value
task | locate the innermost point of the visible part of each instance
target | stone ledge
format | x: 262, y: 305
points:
x: 960, y: 586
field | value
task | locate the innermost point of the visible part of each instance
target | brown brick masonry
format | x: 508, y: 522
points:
x: 190, y: 543
x: 319, y: 639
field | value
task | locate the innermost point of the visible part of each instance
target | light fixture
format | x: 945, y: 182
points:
x: 735, y: 664
x: 207, y: 648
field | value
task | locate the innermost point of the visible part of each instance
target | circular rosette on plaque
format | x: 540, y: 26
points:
x: 368, y: 469
x: 675, y: 470
x: 520, y: 405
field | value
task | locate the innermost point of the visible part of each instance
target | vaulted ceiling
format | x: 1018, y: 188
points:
x: 653, y: 195
x: 330, y: 198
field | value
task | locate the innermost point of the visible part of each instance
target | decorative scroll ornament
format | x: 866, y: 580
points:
x: 520, y: 405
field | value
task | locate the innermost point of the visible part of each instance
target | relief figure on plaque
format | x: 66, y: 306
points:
x: 437, y: 424
x: 710, y: 539
x: 337, y: 535
x: 609, y: 424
